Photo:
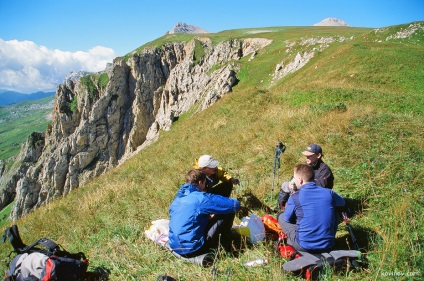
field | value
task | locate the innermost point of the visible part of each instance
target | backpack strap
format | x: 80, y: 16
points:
x: 49, y: 244
x: 50, y: 247
x: 12, y: 234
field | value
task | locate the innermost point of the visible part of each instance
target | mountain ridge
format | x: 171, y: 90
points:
x: 11, y: 97
x: 182, y: 27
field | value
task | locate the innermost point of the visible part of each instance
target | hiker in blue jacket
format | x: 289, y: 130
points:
x: 198, y: 218
x: 310, y: 220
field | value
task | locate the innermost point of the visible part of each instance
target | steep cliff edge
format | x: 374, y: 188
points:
x: 101, y: 120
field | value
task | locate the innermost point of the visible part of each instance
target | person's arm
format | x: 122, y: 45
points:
x: 289, y: 212
x: 282, y: 198
x: 224, y: 176
x: 338, y: 200
x: 285, y: 191
x: 217, y: 204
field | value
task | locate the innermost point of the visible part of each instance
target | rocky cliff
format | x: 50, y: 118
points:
x: 100, y: 120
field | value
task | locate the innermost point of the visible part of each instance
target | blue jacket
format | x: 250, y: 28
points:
x: 313, y: 209
x: 189, y: 216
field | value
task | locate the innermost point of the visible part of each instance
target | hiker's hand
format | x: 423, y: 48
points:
x: 292, y: 186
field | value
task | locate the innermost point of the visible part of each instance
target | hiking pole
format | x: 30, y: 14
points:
x: 364, y: 260
x: 279, y: 149
x: 346, y: 219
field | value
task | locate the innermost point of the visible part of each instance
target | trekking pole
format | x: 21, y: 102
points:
x: 346, y: 219
x: 279, y: 149
x: 364, y: 260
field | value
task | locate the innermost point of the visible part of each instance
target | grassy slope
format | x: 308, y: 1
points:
x: 361, y: 100
x: 17, y: 122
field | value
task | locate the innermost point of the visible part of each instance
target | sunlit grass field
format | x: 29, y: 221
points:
x: 361, y: 100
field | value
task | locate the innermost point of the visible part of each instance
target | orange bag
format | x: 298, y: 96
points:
x: 272, y: 227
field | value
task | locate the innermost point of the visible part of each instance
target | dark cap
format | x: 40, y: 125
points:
x: 312, y: 149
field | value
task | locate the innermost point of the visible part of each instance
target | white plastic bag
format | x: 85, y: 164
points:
x: 257, y: 228
x: 252, y: 227
x: 158, y: 232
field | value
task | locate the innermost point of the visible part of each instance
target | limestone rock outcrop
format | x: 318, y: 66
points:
x: 31, y: 151
x: 99, y: 120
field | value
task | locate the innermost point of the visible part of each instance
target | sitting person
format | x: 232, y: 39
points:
x: 322, y: 174
x: 310, y: 218
x: 199, y: 221
x: 218, y: 181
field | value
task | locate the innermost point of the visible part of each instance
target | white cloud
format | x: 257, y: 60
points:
x: 27, y: 67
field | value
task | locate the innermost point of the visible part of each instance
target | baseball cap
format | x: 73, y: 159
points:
x: 207, y: 161
x: 312, y: 149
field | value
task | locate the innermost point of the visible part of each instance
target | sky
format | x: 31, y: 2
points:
x: 41, y: 41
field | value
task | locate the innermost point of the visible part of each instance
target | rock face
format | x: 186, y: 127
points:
x: 309, y: 46
x: 30, y: 152
x: 100, y: 120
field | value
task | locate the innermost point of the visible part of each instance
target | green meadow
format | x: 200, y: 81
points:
x: 361, y: 99
x: 17, y: 121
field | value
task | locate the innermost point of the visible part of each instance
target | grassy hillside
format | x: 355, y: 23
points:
x: 18, y: 121
x: 361, y: 99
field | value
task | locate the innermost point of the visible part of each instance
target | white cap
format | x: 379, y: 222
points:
x: 207, y: 161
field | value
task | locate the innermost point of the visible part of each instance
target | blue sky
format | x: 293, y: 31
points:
x: 43, y: 40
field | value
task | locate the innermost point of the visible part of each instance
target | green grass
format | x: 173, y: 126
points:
x: 93, y: 82
x: 361, y: 100
x: 17, y: 122
x: 4, y: 215
x: 199, y: 52
x: 74, y: 104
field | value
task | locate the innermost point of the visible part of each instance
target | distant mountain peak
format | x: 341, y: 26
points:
x: 11, y: 97
x: 332, y: 22
x: 182, y: 27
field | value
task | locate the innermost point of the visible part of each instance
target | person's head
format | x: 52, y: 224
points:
x: 313, y: 153
x: 303, y: 173
x: 207, y: 164
x: 197, y: 178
